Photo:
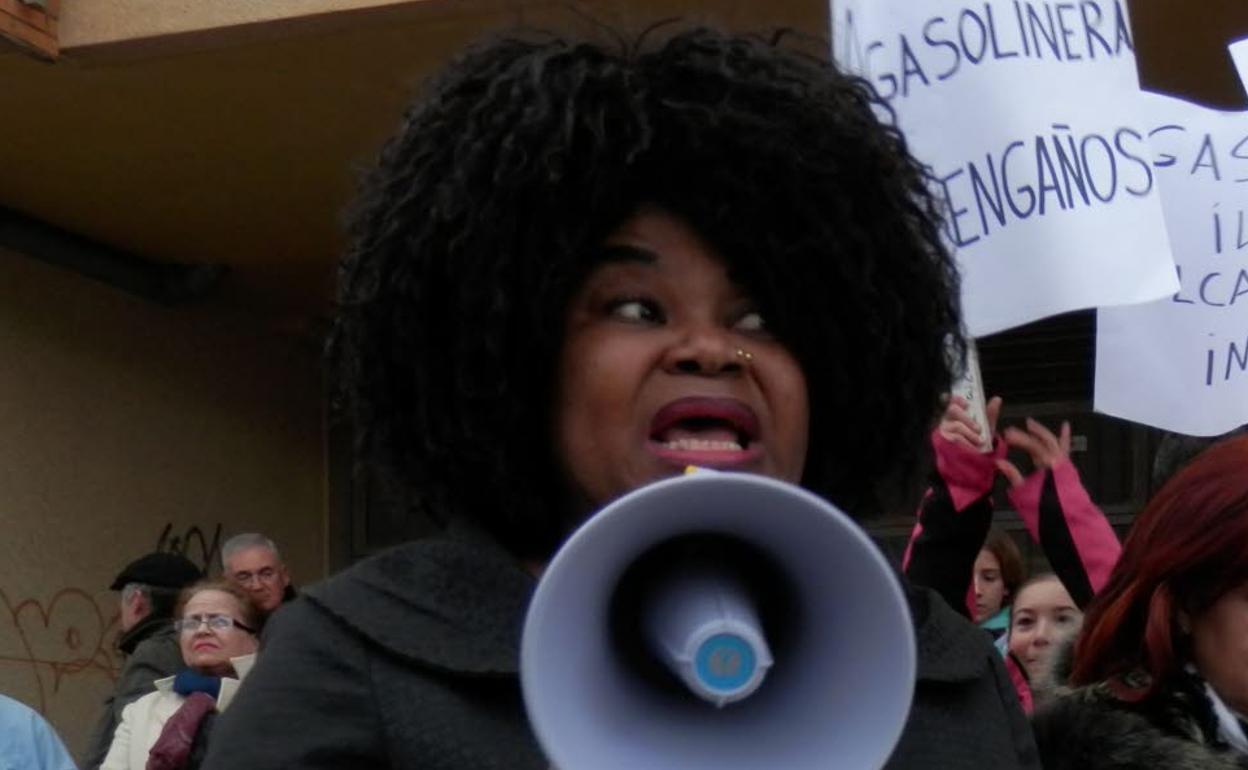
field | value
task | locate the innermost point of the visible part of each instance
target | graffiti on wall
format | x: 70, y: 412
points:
x: 193, y: 544
x: 46, y: 644
x: 71, y: 635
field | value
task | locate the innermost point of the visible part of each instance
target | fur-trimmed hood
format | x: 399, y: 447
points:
x: 1089, y: 728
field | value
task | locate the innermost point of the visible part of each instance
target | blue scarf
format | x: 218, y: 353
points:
x: 188, y: 681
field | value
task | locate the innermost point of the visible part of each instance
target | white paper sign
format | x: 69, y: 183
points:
x: 1181, y: 363
x: 1028, y: 113
x: 1239, y: 53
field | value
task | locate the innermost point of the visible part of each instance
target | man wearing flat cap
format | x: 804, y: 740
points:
x: 149, y: 590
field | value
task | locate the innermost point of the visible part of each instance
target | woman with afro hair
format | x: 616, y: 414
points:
x: 575, y: 270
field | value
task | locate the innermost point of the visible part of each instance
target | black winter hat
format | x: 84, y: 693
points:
x: 159, y: 570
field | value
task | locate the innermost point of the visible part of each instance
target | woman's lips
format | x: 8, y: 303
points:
x: 710, y: 432
x: 725, y: 412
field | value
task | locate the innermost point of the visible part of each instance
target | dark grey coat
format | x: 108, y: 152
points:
x: 153, y: 653
x: 409, y: 660
x: 966, y: 713
x: 406, y: 660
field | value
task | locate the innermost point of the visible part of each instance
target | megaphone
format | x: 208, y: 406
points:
x: 718, y: 620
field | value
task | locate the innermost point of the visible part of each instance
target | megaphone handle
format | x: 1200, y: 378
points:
x: 703, y: 626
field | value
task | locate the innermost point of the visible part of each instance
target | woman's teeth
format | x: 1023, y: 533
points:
x: 702, y: 445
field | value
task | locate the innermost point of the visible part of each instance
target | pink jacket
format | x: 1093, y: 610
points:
x: 956, y: 512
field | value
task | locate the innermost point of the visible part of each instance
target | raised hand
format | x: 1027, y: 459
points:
x: 1045, y: 448
x: 958, y: 427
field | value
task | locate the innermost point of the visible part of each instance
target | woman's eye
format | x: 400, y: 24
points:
x: 640, y: 310
x: 751, y: 322
x: 1022, y: 624
x: 1068, y: 619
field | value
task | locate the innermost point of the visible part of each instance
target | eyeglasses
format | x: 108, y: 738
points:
x: 191, y: 624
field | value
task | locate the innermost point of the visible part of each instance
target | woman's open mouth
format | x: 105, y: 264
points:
x: 711, y: 432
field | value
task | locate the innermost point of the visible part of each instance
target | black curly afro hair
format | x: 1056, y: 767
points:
x: 489, y: 207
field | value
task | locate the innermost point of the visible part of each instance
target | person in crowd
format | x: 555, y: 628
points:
x: 253, y: 562
x: 27, y: 741
x: 1042, y: 617
x: 579, y: 269
x: 956, y: 514
x: 167, y: 729
x: 149, y: 589
x: 998, y: 574
x: 1159, y: 673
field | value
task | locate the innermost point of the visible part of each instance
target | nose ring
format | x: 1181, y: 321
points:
x: 745, y: 355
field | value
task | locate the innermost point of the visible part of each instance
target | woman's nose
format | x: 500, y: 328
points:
x: 705, y: 349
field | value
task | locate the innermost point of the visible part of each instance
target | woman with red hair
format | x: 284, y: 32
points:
x: 1160, y: 671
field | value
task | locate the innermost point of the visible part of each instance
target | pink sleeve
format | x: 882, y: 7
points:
x: 1096, y: 546
x: 967, y: 474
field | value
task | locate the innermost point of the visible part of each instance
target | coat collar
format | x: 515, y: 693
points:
x: 229, y: 685
x: 242, y: 666
x: 147, y: 628
x: 950, y: 648
x: 455, y: 603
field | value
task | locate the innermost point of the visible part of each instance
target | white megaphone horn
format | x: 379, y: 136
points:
x: 718, y: 620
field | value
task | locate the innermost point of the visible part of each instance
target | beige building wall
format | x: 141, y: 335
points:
x: 124, y: 427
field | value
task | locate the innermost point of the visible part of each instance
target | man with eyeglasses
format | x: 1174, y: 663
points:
x: 149, y: 589
x: 253, y: 563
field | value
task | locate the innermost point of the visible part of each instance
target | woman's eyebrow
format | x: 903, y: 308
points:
x: 626, y: 252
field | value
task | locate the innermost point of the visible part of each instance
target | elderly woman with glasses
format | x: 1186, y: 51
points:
x: 217, y: 626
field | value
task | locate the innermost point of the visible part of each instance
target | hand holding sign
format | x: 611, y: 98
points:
x: 959, y: 427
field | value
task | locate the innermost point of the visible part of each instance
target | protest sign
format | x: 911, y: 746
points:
x: 1027, y: 111
x: 1239, y: 53
x: 1181, y: 363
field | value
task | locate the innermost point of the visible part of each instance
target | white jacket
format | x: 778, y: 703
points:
x: 142, y: 720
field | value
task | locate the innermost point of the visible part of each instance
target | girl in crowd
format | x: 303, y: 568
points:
x: 167, y: 729
x: 1160, y: 670
x: 997, y: 576
x: 1042, y: 617
x: 577, y: 270
x: 948, y: 545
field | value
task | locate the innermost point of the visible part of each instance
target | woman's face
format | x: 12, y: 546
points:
x: 1220, y: 647
x: 206, y: 649
x: 989, y: 587
x: 666, y: 364
x: 1043, y: 615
